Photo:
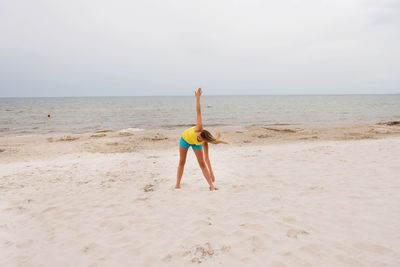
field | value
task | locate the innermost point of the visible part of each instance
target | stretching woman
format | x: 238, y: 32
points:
x: 196, y: 137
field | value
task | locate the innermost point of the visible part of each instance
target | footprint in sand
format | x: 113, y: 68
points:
x: 292, y: 233
x: 148, y: 188
x: 201, y: 253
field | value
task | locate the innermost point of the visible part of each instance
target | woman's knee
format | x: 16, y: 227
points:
x: 202, y: 164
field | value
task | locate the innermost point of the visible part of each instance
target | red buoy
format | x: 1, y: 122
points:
x: 48, y: 115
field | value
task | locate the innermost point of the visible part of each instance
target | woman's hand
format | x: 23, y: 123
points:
x: 198, y: 93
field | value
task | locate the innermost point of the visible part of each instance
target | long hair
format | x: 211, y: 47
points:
x: 208, y: 137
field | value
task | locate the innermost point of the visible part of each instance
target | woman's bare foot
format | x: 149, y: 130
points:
x: 212, y: 188
x: 177, y: 186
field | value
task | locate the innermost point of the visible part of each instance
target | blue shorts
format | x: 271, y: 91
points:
x: 186, y: 145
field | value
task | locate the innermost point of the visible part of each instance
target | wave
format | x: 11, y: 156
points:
x: 130, y: 130
x: 177, y: 125
x: 191, y: 125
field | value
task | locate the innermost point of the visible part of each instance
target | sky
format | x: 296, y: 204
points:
x: 128, y: 48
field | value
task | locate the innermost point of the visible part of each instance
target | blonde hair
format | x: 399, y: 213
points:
x: 208, y: 137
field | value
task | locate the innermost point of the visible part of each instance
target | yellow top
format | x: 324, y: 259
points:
x: 190, y: 136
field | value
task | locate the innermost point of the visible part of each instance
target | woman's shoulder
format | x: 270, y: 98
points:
x: 197, y: 129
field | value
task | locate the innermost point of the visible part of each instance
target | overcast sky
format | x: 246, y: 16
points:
x: 97, y: 48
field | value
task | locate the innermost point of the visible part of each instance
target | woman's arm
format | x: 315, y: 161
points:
x: 199, y: 123
x: 207, y: 159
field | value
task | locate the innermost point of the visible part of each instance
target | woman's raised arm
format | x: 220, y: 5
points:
x: 199, y: 123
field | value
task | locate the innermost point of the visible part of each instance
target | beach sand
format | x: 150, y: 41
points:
x: 288, y: 195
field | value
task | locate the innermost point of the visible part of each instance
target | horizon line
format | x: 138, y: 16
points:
x: 100, y: 96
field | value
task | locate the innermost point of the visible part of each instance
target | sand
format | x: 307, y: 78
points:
x: 288, y: 195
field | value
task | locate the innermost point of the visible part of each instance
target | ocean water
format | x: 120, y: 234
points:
x: 20, y: 116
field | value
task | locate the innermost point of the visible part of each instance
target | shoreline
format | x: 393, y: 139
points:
x: 184, y: 126
x: 128, y: 141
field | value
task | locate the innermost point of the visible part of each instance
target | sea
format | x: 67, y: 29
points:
x: 25, y: 116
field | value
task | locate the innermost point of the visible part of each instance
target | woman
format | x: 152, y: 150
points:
x: 196, y: 137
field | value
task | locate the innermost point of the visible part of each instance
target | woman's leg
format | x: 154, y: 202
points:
x: 181, y: 166
x: 200, y: 159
